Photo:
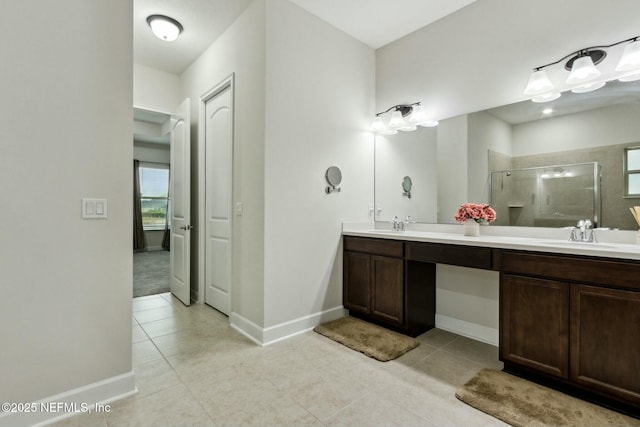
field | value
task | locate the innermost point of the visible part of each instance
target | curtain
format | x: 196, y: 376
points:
x: 166, y: 237
x: 139, y: 240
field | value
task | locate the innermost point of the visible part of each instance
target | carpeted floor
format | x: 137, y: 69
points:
x: 371, y: 340
x: 150, y: 273
x: 523, y: 403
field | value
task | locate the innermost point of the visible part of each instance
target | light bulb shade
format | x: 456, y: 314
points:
x: 583, y: 70
x: 164, y: 28
x: 546, y: 97
x: 429, y: 123
x: 418, y: 115
x: 630, y: 77
x: 589, y: 87
x: 378, y: 125
x: 397, y: 121
x: 538, y: 83
x: 630, y: 57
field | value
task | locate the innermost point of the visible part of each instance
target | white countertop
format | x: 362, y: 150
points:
x: 451, y: 234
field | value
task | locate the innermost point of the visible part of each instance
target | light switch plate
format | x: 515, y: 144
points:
x: 94, y: 208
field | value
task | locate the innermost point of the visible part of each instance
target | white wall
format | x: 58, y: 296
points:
x: 240, y: 50
x: 65, y: 282
x: 467, y: 302
x: 412, y: 154
x: 155, y: 90
x: 485, y: 133
x: 319, y: 103
x: 452, y: 167
x: 613, y: 125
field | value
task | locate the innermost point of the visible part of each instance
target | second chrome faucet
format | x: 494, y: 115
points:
x: 400, y: 225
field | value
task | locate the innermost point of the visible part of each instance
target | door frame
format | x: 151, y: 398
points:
x: 228, y: 82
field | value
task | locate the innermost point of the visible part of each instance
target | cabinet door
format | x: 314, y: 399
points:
x: 534, y: 317
x: 387, y: 299
x: 357, y: 282
x: 605, y: 340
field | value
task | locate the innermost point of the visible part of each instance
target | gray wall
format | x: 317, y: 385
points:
x: 66, y: 283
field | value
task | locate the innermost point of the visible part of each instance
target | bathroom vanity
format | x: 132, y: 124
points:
x: 569, y: 312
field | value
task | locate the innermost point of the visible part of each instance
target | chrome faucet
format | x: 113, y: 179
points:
x: 579, y: 232
x: 397, y: 224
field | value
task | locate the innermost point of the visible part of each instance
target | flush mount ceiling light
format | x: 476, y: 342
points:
x: 584, y: 76
x: 164, y: 28
x: 405, y: 117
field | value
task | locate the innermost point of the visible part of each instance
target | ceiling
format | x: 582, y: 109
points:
x: 613, y: 93
x: 374, y: 22
x: 203, y: 22
x: 380, y: 22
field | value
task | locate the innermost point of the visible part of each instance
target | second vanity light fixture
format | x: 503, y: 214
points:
x: 583, y: 73
x: 405, y: 117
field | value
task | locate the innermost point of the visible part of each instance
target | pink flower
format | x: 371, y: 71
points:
x: 475, y: 211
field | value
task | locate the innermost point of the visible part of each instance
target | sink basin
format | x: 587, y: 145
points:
x: 567, y: 244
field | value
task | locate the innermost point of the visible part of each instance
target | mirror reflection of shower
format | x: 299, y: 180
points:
x: 502, y: 175
x: 547, y: 196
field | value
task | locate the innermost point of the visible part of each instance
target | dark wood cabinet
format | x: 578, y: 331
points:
x: 357, y: 282
x: 567, y: 321
x: 584, y: 335
x: 605, y: 341
x: 376, y: 286
x: 534, y: 324
x: 387, y: 289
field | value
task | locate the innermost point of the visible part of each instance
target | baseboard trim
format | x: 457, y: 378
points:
x: 468, y: 329
x: 85, y: 398
x: 273, y: 334
x: 246, y: 327
x: 284, y: 330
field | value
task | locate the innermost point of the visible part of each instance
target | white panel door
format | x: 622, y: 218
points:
x: 180, y: 193
x: 218, y: 190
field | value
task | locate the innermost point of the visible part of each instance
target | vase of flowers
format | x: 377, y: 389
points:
x: 472, y: 215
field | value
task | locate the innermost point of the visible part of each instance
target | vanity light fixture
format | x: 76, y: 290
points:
x: 164, y: 27
x: 405, y: 117
x: 584, y: 75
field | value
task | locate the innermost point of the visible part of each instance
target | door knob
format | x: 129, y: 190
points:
x: 186, y: 227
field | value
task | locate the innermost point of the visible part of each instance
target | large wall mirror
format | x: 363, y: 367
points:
x: 453, y: 163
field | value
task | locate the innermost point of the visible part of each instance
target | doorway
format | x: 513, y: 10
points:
x: 151, y: 145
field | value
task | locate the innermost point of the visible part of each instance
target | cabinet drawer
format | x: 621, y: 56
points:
x: 574, y: 269
x: 464, y: 256
x: 391, y: 248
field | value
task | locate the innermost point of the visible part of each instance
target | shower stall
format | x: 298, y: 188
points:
x: 547, y: 196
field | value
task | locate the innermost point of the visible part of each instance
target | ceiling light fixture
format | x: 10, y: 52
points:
x: 405, y: 117
x: 584, y: 76
x: 164, y: 28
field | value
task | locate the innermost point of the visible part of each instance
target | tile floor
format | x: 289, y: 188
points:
x: 193, y: 369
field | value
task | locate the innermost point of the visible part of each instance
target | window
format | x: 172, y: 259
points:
x: 154, y: 192
x: 632, y: 172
